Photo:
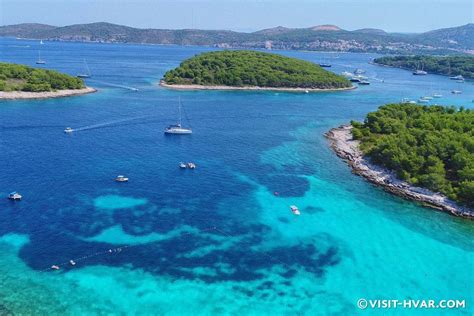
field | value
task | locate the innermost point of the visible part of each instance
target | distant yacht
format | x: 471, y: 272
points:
x: 68, y: 130
x: 421, y: 100
x: 420, y: 72
x: 41, y: 42
x: 178, y: 129
x: 364, y: 82
x: 437, y: 95
x: 295, y: 209
x: 458, y: 77
x: 456, y: 92
x: 121, y: 179
x: 427, y: 98
x: 85, y: 75
x: 40, y: 61
x: 325, y: 65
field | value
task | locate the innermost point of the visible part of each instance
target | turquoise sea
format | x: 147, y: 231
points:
x: 215, y: 240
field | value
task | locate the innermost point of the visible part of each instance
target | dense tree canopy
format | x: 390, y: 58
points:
x: 251, y: 68
x: 15, y: 77
x: 443, y: 65
x: 429, y: 146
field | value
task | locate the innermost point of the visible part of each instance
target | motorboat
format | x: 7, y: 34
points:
x: 420, y: 72
x: 295, y: 209
x: 421, y: 100
x: 191, y: 165
x: 458, y: 77
x: 427, y: 98
x: 14, y: 196
x: 437, y: 95
x: 456, y: 92
x: 182, y: 165
x: 354, y: 79
x: 68, y: 130
x: 121, y: 179
x: 178, y: 129
x: 364, y: 82
x: 55, y: 267
x: 325, y: 65
x: 72, y: 262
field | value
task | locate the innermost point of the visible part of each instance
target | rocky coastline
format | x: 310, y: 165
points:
x: 347, y: 148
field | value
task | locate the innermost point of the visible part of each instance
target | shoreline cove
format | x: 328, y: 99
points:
x: 346, y: 148
x: 24, y: 95
x: 248, y: 88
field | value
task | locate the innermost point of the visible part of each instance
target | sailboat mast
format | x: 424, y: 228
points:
x: 87, y: 67
x: 179, y: 107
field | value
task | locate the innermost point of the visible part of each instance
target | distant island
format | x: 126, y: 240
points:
x: 315, y: 38
x: 441, y: 65
x: 23, y: 82
x: 423, y: 153
x: 251, y: 70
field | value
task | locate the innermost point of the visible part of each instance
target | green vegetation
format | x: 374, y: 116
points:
x: 443, y: 65
x: 251, y: 68
x: 15, y: 77
x: 429, y: 146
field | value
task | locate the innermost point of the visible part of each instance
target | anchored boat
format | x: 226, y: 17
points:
x: 178, y: 129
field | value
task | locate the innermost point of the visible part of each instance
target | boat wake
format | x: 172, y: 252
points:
x: 99, y: 125
x: 115, y: 85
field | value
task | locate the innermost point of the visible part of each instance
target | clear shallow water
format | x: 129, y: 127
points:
x: 214, y: 240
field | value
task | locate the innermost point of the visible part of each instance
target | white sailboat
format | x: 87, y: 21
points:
x: 41, y: 42
x: 40, y: 61
x: 86, y: 75
x: 178, y: 129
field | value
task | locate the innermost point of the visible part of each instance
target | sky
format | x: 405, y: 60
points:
x: 244, y: 15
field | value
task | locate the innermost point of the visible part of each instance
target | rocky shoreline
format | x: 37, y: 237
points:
x: 18, y: 95
x: 250, y: 88
x: 348, y: 149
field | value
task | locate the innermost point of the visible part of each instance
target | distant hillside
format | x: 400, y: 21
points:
x: 323, y: 37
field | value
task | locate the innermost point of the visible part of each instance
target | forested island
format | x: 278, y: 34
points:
x: 252, y: 70
x: 20, y: 81
x: 442, y: 65
x: 429, y: 147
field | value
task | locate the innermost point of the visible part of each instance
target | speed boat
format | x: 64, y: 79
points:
x: 420, y: 72
x: 121, y: 179
x: 456, y: 92
x: 437, y: 95
x: 325, y: 65
x: 191, y: 165
x: 295, y: 209
x: 182, y: 165
x: 458, y: 77
x: 14, y: 196
x: 68, y: 130
x: 364, y: 82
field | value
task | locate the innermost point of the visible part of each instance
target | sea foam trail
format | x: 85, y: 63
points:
x: 115, y: 85
x: 88, y: 127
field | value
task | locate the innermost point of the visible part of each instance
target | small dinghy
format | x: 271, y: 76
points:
x: 295, y: 209
x: 121, y: 179
x: 14, y: 196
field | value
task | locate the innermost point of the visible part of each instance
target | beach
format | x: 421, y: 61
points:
x: 17, y: 95
x: 348, y: 149
x: 247, y: 88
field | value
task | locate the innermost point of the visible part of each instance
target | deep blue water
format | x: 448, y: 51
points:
x: 214, y: 240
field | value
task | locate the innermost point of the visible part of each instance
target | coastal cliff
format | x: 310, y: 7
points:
x: 342, y: 142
